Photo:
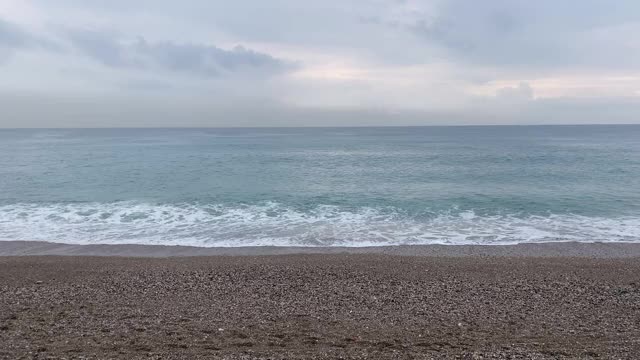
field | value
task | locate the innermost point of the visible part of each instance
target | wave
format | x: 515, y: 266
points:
x: 276, y: 224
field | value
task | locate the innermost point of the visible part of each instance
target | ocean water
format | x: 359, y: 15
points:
x: 321, y: 186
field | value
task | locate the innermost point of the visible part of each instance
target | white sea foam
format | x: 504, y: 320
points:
x: 276, y: 225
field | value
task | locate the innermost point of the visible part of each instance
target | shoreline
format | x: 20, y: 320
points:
x: 545, y: 250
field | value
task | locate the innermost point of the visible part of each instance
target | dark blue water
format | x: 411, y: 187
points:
x: 330, y: 186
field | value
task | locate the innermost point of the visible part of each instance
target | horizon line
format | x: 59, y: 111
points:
x: 313, y: 126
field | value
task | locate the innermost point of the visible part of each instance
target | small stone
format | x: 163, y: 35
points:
x: 39, y: 282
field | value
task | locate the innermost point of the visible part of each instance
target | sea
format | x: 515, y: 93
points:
x: 215, y: 187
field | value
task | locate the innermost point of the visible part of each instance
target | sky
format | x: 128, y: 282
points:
x: 162, y: 63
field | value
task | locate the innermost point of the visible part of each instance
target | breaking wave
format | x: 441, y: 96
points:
x: 275, y: 224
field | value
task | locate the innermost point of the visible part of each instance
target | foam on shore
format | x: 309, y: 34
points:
x: 276, y: 224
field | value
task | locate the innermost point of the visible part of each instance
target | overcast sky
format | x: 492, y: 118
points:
x: 85, y: 63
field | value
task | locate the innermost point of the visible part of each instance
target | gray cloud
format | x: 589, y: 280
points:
x: 329, y: 24
x: 196, y: 59
x: 109, y: 49
x: 513, y: 33
x: 543, y: 33
x: 13, y: 36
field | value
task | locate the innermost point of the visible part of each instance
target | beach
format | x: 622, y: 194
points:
x: 538, y: 301
x: 388, y: 179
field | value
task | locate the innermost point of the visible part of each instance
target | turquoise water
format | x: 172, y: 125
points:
x: 321, y: 187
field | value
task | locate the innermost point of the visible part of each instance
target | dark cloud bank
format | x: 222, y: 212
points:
x: 115, y: 52
x: 196, y: 59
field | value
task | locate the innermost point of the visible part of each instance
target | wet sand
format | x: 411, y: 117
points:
x: 457, y: 303
x: 560, y: 249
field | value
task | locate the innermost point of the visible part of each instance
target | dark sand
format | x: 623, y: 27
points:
x: 499, y: 303
x: 561, y: 249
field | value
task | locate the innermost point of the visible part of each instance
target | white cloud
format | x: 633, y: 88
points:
x: 522, y: 92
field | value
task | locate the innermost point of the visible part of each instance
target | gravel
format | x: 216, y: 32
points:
x: 321, y: 306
